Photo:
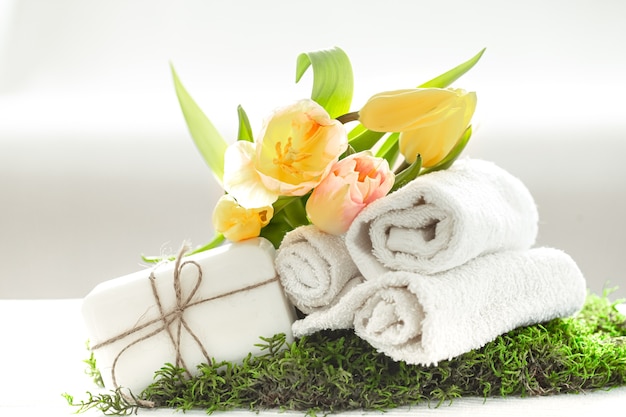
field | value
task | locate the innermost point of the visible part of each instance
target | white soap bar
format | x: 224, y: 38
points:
x: 237, y: 300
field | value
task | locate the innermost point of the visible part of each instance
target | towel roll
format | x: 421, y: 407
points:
x: 425, y: 319
x: 315, y: 268
x: 442, y: 220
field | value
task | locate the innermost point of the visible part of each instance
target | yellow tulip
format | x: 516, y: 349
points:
x: 296, y: 148
x: 294, y: 152
x: 238, y: 223
x: 430, y: 120
x: 241, y: 179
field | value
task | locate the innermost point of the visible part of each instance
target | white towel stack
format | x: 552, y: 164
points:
x: 447, y: 266
x: 423, y: 319
x: 444, y: 219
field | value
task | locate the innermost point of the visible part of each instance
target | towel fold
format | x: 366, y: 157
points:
x: 444, y: 219
x: 315, y: 268
x: 424, y: 319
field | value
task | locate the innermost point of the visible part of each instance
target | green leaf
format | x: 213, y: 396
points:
x: 295, y: 213
x: 333, y: 81
x: 282, y: 202
x: 390, y: 149
x: 276, y: 230
x: 348, y: 152
x: 245, y: 131
x: 217, y: 240
x: 356, y: 131
x: 289, y: 213
x: 206, y: 137
x: 454, y: 74
x: 407, y: 175
x: 365, y: 140
x: 447, y: 162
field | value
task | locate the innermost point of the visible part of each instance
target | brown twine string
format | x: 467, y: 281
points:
x: 175, y: 316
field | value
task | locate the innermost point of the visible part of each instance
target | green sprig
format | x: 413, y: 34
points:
x: 114, y: 403
x: 92, y: 368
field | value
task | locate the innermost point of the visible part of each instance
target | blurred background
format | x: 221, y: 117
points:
x: 97, y: 166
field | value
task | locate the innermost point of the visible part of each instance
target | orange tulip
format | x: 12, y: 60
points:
x: 352, y: 184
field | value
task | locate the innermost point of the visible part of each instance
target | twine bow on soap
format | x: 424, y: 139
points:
x: 175, y: 316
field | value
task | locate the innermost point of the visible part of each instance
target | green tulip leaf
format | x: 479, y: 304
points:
x: 245, y: 131
x: 356, y: 131
x: 390, y: 149
x: 217, y: 240
x: 276, y: 230
x: 447, y: 78
x: 206, y: 137
x: 447, y: 162
x: 365, y: 140
x: 333, y: 81
x: 348, y: 152
x: 282, y: 202
x: 295, y: 213
x: 408, y: 174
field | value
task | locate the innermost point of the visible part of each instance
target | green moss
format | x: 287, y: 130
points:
x: 336, y: 371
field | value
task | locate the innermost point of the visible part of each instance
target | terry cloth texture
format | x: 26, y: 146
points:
x: 442, y: 220
x: 425, y: 319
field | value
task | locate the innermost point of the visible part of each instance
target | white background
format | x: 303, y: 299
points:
x: 97, y: 167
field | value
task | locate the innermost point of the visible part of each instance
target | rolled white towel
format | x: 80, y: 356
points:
x: 315, y: 268
x: 425, y: 319
x: 444, y: 219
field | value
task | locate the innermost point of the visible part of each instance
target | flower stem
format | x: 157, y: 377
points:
x: 348, y: 117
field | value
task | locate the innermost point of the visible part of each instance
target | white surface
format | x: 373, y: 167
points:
x: 97, y: 167
x: 45, y: 360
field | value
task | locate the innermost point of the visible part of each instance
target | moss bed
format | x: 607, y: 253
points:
x: 337, y: 371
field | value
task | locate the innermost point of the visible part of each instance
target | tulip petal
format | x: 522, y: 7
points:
x: 330, y: 208
x: 353, y: 183
x: 402, y: 110
x: 435, y: 141
x: 436, y: 136
x: 238, y: 223
x: 454, y: 153
x: 297, y: 147
x: 241, y: 180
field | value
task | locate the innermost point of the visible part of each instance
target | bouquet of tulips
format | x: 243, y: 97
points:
x: 304, y: 166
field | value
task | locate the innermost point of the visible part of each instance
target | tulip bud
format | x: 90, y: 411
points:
x: 238, y: 223
x: 430, y: 120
